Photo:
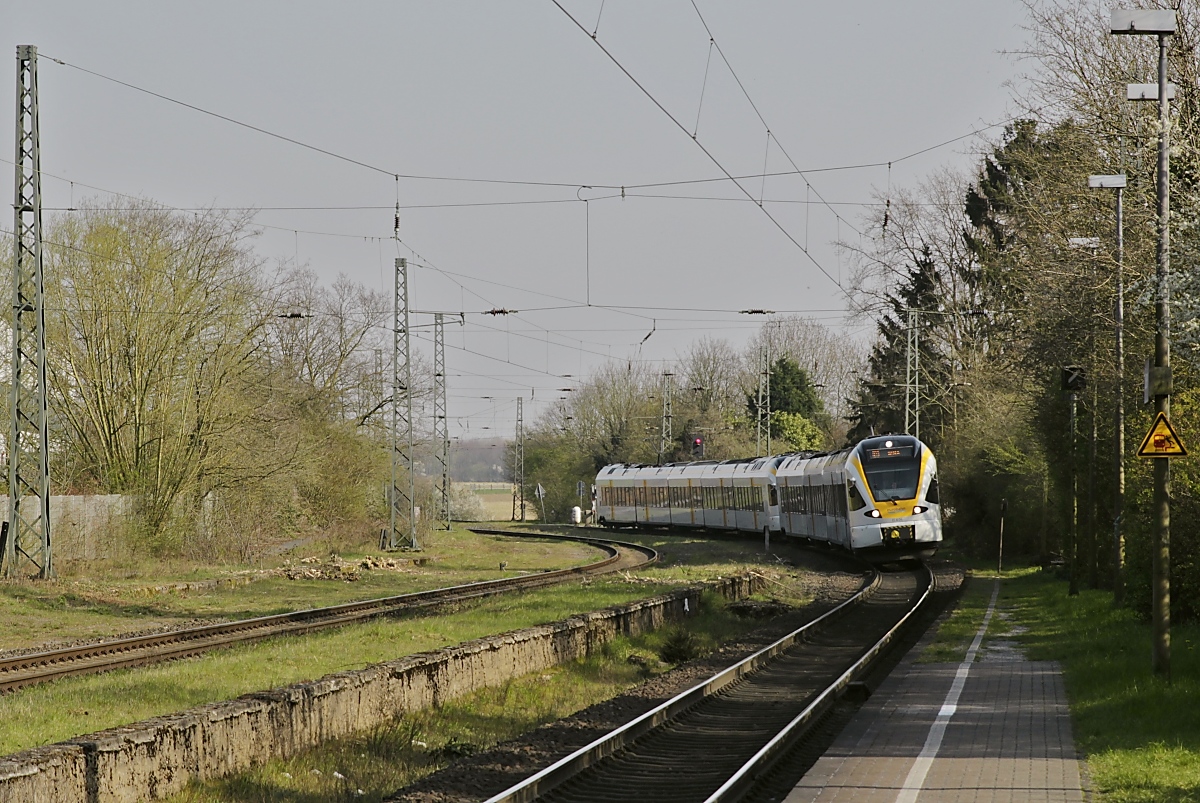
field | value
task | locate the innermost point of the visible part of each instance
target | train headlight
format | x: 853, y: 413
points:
x: 919, y: 509
x: 874, y: 513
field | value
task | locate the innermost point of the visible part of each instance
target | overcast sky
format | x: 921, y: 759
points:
x: 518, y: 92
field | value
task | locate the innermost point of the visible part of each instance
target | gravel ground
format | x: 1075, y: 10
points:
x: 477, y: 777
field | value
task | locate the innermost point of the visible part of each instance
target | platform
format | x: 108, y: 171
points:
x: 992, y: 729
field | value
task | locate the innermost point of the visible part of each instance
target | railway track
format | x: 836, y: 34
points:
x: 104, y: 656
x: 715, y: 741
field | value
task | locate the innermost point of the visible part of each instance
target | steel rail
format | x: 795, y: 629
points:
x: 765, y: 758
x: 550, y: 777
x: 24, y: 670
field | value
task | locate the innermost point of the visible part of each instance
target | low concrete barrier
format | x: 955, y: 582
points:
x: 158, y: 757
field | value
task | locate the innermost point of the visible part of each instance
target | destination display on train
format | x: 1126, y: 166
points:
x: 889, y: 452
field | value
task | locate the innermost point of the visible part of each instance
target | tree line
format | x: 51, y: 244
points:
x: 1010, y: 274
x: 717, y: 397
x: 990, y: 282
x: 234, y: 404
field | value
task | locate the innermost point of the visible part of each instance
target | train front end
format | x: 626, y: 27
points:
x: 895, y: 506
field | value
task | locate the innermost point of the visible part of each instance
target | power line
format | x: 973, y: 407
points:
x: 299, y: 143
x: 707, y: 153
x: 511, y: 182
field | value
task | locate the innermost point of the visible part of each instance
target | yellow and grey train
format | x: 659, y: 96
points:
x: 878, y: 498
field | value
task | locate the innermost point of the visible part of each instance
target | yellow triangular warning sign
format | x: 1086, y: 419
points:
x: 1161, y: 440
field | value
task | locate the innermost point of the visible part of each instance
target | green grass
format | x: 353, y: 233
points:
x: 53, y: 712
x: 956, y: 631
x: 399, y: 752
x: 46, y: 714
x: 1139, y: 734
x: 94, y: 607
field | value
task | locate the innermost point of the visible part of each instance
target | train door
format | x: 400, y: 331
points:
x: 837, y: 493
x: 785, y: 505
x: 774, y: 519
x: 756, y: 499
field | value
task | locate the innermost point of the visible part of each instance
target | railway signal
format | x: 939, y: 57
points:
x: 1073, y: 378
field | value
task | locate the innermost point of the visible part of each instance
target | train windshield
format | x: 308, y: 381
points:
x: 893, y: 470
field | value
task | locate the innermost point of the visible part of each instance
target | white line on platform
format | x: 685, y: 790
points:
x: 933, y: 742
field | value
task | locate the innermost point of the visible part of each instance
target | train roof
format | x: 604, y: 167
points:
x: 700, y: 468
x: 789, y: 462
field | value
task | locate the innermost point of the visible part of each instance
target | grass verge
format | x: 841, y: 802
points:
x: 1139, y: 734
x: 57, y: 711
x: 103, y: 605
x: 371, y: 765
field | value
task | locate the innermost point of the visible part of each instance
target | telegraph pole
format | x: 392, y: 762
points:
x: 1119, y: 501
x: 1160, y: 23
x: 28, y: 537
x: 519, y: 463
x: 404, y: 492
x: 1118, y: 183
x: 441, y: 433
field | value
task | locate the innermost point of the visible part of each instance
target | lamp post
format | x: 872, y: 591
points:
x: 1161, y: 24
x: 1090, y: 544
x: 1118, y: 182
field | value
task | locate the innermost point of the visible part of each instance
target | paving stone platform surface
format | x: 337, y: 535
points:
x: 1006, y: 738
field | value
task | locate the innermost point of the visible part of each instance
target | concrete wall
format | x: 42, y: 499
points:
x: 81, y: 527
x: 157, y: 757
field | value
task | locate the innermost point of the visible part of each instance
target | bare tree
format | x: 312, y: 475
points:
x: 831, y: 359
x: 155, y: 319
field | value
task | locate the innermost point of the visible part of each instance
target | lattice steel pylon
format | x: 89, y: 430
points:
x: 665, y: 437
x: 912, y: 379
x: 404, y: 492
x: 28, y: 539
x: 519, y: 463
x: 441, y: 432
x: 764, y: 404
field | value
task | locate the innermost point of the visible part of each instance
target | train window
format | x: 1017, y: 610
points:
x: 856, y: 500
x: 933, y: 494
x: 893, y: 479
x: 773, y: 496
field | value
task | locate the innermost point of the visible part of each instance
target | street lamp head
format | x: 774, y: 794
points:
x: 1116, y: 182
x: 1142, y: 22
